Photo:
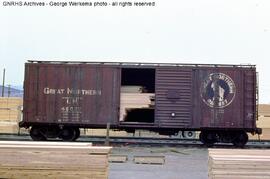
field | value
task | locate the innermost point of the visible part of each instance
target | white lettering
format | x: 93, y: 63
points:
x: 49, y: 91
x: 70, y: 91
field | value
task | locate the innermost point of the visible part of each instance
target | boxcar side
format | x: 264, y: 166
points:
x: 218, y: 100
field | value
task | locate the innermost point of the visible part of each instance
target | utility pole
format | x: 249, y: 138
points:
x: 9, y: 90
x: 3, y: 86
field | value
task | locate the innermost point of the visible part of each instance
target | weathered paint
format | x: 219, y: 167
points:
x: 173, y: 97
x: 187, y: 96
x: 224, y: 98
x: 84, y: 94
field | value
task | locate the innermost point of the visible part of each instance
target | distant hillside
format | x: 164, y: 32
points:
x: 14, y: 92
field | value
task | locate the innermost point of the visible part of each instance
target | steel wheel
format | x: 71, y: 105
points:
x: 68, y: 134
x: 36, y: 133
x: 77, y: 131
x: 208, y: 138
x: 241, y: 139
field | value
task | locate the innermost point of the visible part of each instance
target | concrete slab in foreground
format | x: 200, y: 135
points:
x: 180, y: 163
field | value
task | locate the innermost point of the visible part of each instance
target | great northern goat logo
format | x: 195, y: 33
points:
x: 218, y: 90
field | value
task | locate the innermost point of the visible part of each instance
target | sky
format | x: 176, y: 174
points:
x: 176, y: 31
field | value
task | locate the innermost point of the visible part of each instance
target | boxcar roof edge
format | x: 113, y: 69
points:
x: 143, y: 64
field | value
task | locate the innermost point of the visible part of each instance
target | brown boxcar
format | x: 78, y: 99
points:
x: 218, y: 100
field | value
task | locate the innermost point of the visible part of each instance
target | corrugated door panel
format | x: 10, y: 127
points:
x: 173, y: 97
x: 249, y: 98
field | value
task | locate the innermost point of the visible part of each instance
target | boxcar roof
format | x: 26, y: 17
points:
x: 138, y: 64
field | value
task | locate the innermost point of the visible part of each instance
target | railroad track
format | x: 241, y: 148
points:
x: 144, y: 141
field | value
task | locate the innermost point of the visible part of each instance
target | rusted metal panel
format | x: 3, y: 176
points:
x: 173, y: 97
x: 189, y: 97
x: 224, y: 98
x: 71, y: 93
x: 250, y: 93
